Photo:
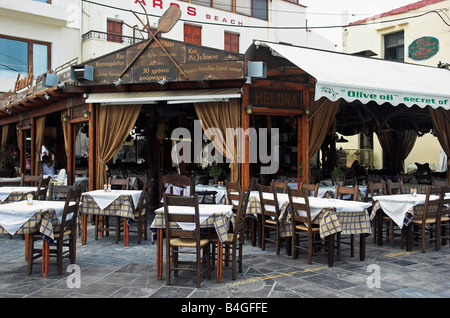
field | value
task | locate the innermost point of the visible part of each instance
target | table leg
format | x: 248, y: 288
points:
x: 45, y: 257
x: 408, y: 233
x: 159, y: 253
x: 84, y: 228
x: 219, y: 261
x: 26, y: 247
x: 330, y: 250
x: 379, y: 217
x: 362, y: 246
x: 126, y: 232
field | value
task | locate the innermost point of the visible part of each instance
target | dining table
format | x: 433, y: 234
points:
x: 41, y: 216
x: 401, y: 208
x: 217, y: 216
x: 10, y: 194
x: 332, y: 215
x: 121, y: 203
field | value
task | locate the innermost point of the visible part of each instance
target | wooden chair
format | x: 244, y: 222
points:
x: 251, y: 223
x: 280, y: 186
x: 29, y: 180
x: 234, y: 193
x: 440, y: 183
x: 235, y: 239
x: 82, y: 172
x: 122, y: 184
x: 57, y: 192
x: 177, y: 180
x: 445, y: 216
x: 302, y: 227
x: 270, y: 212
x: 142, y: 211
x: 351, y: 194
x: 313, y: 189
x: 185, y: 241
x: 65, y: 237
x: 426, y: 224
x: 42, y: 188
x: 394, y: 187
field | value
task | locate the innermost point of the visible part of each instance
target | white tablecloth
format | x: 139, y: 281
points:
x: 103, y: 199
x: 205, y: 211
x: 6, y: 191
x: 14, y: 215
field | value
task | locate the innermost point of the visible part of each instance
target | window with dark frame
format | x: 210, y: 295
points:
x: 114, y: 30
x: 394, y: 46
x: 253, y: 8
x: 18, y: 55
x: 231, y: 42
x: 192, y: 34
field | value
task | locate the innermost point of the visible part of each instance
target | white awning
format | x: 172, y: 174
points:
x: 171, y: 96
x: 366, y: 79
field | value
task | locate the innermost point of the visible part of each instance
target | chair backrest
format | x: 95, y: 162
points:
x: 42, y: 188
x: 341, y: 192
x: 374, y: 189
x: 280, y: 186
x: 445, y: 200
x: 252, y: 184
x: 177, y: 180
x: 170, y: 218
x: 122, y: 184
x: 440, y: 183
x: 240, y: 216
x: 313, y: 189
x: 81, y: 172
x: 269, y: 201
x: 58, y: 192
x: 394, y: 187
x: 29, y: 180
x: 234, y: 193
x: 432, y: 207
x: 297, y: 206
x: 69, y: 218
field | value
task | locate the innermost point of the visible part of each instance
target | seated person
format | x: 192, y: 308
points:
x: 47, y: 166
x: 357, y: 169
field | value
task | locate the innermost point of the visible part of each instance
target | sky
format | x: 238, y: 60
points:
x: 333, y: 12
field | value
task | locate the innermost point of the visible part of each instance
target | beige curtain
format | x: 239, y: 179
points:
x: 114, y: 125
x: 323, y: 113
x: 5, y: 130
x: 222, y: 115
x: 441, y: 126
x: 39, y: 122
x: 397, y: 145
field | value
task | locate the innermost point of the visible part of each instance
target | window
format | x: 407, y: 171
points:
x: 18, y: 55
x: 192, y: 34
x: 231, y: 42
x: 394, y: 49
x: 253, y: 8
x: 114, y: 30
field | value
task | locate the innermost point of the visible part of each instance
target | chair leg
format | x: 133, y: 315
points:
x: 59, y: 248
x: 30, y: 244
x: 118, y: 228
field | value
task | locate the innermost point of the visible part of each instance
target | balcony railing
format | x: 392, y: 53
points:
x: 99, y: 35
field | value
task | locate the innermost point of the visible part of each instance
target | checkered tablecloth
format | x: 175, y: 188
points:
x: 14, y: 194
x: 123, y: 206
x: 219, y: 220
x: 42, y: 219
x: 413, y: 213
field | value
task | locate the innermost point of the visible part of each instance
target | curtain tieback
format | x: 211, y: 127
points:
x: 106, y: 166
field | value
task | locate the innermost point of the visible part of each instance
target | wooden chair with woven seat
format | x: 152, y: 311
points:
x: 233, y: 247
x: 426, y: 223
x: 350, y: 194
x: 142, y: 211
x: 445, y: 216
x: 270, y: 213
x: 58, y: 191
x: 302, y: 227
x: 42, y: 189
x: 116, y: 183
x: 251, y: 223
x: 313, y: 189
x: 65, y: 237
x: 280, y: 186
x: 29, y: 180
x: 234, y: 193
x: 185, y: 241
x: 169, y: 181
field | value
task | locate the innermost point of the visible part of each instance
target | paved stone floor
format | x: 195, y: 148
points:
x: 110, y: 270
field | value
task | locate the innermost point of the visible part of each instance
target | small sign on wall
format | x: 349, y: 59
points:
x: 423, y: 48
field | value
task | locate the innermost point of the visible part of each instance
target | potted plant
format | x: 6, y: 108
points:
x: 337, y: 175
x: 215, y: 171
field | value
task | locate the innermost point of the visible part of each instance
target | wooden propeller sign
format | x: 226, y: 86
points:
x: 165, y: 23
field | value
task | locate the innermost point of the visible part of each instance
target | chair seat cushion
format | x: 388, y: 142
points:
x: 187, y: 242
x: 431, y: 220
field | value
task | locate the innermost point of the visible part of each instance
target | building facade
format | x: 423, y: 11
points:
x: 417, y: 33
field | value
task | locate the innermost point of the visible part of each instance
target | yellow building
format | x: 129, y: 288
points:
x: 417, y: 33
